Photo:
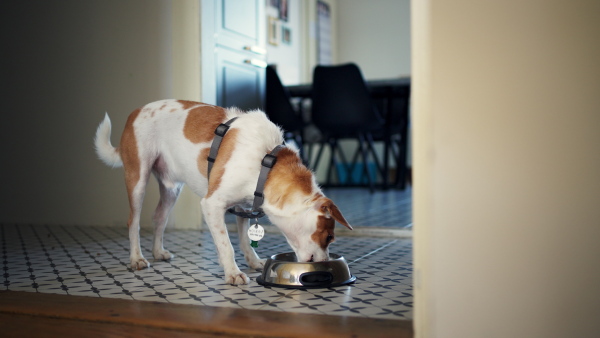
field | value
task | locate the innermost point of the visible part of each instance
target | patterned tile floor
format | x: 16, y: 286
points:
x: 93, y: 261
x: 384, y: 208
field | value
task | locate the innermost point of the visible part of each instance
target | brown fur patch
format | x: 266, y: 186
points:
x: 202, y: 162
x: 187, y: 104
x: 287, y: 178
x: 328, y: 207
x: 201, y: 122
x: 325, y: 225
x: 130, y: 156
x: 225, y: 151
x: 325, y: 228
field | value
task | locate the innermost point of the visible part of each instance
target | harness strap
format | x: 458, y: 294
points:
x: 214, y: 148
x: 266, y: 164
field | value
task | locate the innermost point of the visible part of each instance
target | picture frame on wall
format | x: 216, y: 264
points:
x: 283, y: 10
x: 274, y: 31
x: 286, y: 35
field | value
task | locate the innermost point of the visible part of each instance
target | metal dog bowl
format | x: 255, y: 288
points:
x: 283, y: 270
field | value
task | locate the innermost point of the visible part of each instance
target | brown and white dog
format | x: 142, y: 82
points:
x: 172, y: 140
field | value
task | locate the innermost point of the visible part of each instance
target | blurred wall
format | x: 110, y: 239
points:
x: 63, y: 65
x: 376, y: 36
x: 506, y: 166
x: 287, y: 55
x: 310, y: 39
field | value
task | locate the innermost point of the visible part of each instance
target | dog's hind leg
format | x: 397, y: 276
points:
x: 168, y: 196
x: 136, y: 189
x: 249, y: 254
x: 137, y: 169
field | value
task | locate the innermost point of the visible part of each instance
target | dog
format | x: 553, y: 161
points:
x: 172, y: 139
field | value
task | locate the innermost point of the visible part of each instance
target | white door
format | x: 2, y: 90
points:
x: 237, y: 44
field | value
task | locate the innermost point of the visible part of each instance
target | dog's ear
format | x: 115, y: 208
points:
x: 329, y: 209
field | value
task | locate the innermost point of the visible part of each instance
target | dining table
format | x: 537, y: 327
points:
x: 394, y: 93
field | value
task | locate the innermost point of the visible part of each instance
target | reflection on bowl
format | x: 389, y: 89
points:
x: 283, y: 270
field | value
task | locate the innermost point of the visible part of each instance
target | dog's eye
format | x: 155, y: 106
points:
x: 329, y: 239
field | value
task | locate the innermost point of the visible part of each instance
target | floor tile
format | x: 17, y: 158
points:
x: 94, y: 262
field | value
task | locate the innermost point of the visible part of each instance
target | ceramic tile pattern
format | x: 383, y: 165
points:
x: 94, y: 261
x: 384, y: 208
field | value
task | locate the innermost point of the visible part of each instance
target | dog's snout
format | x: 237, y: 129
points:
x: 315, y: 258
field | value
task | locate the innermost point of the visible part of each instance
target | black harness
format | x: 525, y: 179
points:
x: 267, y: 163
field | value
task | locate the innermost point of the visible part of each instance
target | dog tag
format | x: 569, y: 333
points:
x: 256, y: 232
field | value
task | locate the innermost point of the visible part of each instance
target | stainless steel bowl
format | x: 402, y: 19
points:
x: 283, y: 270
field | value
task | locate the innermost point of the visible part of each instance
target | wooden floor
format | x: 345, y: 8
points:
x: 27, y: 314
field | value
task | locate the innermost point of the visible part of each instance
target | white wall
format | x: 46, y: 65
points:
x: 65, y: 63
x: 506, y: 164
x: 187, y: 85
x: 309, y: 36
x: 287, y: 57
x: 376, y: 36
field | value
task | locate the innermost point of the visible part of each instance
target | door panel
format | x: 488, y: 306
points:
x: 240, y: 53
x: 239, y: 83
x: 240, y: 24
x: 237, y: 17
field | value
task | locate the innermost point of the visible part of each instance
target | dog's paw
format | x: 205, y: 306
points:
x: 139, y: 263
x: 163, y: 255
x: 238, y: 278
x: 257, y: 264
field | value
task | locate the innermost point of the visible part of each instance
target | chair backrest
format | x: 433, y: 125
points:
x: 278, y: 106
x: 341, y: 100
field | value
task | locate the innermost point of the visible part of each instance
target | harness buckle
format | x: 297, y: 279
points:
x: 269, y: 161
x: 247, y: 214
x: 221, y: 130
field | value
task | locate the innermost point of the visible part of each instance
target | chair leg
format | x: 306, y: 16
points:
x: 387, y: 147
x: 395, y: 153
x: 319, y: 153
x: 354, y: 162
x: 365, y: 157
x: 371, y: 145
x: 309, y: 152
x: 332, y: 163
x: 345, y: 165
x: 401, y: 165
x: 300, y: 141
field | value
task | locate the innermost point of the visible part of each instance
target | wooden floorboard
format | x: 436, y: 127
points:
x: 36, y: 314
x: 14, y: 325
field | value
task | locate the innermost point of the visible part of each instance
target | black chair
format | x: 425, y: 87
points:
x: 395, y: 103
x: 342, y: 108
x: 280, y: 110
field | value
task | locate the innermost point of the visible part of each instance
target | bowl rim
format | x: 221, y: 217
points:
x: 334, y: 259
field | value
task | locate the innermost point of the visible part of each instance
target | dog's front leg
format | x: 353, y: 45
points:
x: 214, y: 213
x: 252, y: 258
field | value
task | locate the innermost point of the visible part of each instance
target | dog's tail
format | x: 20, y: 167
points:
x: 106, y: 152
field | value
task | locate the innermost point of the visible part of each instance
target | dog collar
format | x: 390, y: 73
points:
x: 266, y: 164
